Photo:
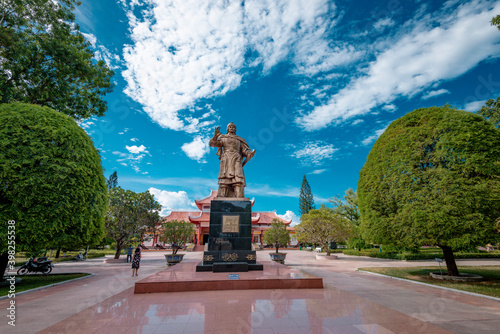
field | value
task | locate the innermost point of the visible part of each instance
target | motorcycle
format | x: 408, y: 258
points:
x: 42, y: 264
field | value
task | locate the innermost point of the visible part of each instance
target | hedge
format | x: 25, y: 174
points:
x: 420, y: 256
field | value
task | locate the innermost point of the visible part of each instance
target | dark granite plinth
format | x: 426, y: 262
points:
x: 230, y: 236
x: 225, y: 267
x: 210, y: 267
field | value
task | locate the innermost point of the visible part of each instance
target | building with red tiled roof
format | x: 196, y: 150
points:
x: 201, y: 219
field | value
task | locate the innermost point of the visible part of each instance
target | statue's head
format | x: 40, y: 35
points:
x: 231, y: 128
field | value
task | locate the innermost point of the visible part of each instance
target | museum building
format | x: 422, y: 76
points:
x: 261, y: 221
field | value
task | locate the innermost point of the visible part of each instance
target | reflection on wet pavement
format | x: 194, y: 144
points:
x: 328, y: 310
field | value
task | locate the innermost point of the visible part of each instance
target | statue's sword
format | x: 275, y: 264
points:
x: 247, y: 159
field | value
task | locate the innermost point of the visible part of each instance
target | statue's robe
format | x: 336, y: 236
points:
x: 231, y: 151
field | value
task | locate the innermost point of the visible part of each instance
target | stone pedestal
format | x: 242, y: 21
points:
x: 230, y: 237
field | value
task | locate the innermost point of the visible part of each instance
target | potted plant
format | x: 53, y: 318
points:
x: 277, y: 235
x: 176, y: 233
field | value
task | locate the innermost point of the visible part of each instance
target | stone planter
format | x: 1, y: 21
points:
x: 326, y: 258
x: 173, y: 259
x: 278, y: 257
x: 462, y: 278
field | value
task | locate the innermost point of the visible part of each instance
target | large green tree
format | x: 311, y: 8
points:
x: 45, y: 60
x: 129, y: 215
x: 51, y: 180
x: 433, y: 178
x: 347, y: 207
x: 306, y: 198
x: 491, y: 111
x: 323, y: 226
x: 112, y: 181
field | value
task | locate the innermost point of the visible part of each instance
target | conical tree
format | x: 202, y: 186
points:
x: 306, y: 199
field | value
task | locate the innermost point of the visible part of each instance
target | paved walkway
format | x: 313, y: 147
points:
x: 351, y: 302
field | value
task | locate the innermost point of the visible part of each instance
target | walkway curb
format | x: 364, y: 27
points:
x: 431, y: 285
x: 50, y: 285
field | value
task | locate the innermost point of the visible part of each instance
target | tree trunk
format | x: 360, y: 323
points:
x: 58, y: 252
x: 117, y: 254
x: 277, y: 248
x: 327, y: 247
x: 451, y: 265
x: 4, y: 261
x: 175, y: 249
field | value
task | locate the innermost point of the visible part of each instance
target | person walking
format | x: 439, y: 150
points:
x: 130, y: 249
x: 136, y: 261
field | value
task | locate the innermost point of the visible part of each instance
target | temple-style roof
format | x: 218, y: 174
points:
x: 180, y: 215
x: 200, y: 217
x: 207, y: 200
x: 266, y: 218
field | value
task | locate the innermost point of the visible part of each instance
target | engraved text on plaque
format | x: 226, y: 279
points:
x: 230, y: 224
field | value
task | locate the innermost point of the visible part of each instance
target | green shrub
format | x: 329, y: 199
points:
x: 419, y: 256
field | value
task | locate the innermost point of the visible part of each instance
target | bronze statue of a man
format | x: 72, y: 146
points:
x: 232, y: 150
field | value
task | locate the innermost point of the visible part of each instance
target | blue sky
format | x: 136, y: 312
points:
x: 311, y: 85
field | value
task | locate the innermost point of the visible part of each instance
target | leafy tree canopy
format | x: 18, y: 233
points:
x: 51, y: 180
x: 347, y: 207
x: 45, y: 60
x: 130, y: 214
x: 496, y: 21
x: 323, y: 226
x: 306, y: 198
x: 491, y: 111
x: 112, y: 181
x: 277, y: 234
x: 177, y: 233
x: 433, y: 178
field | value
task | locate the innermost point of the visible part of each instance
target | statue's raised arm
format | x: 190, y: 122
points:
x: 234, y: 153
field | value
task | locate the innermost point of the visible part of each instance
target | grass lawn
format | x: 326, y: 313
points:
x: 490, y: 286
x: 70, y: 255
x: 38, y: 280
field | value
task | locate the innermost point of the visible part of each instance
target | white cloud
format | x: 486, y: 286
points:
x: 102, y: 53
x: 315, y: 152
x: 124, y: 131
x: 318, y: 171
x: 435, y: 49
x: 434, y: 93
x: 389, y: 107
x: 195, y: 184
x: 133, y: 158
x: 372, y: 138
x: 134, y: 139
x: 474, y: 106
x: 91, y: 38
x: 291, y: 215
x: 185, y: 51
x: 173, y: 201
x: 381, y: 24
x: 134, y: 149
x: 197, y: 149
x: 86, y: 124
x: 267, y: 191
